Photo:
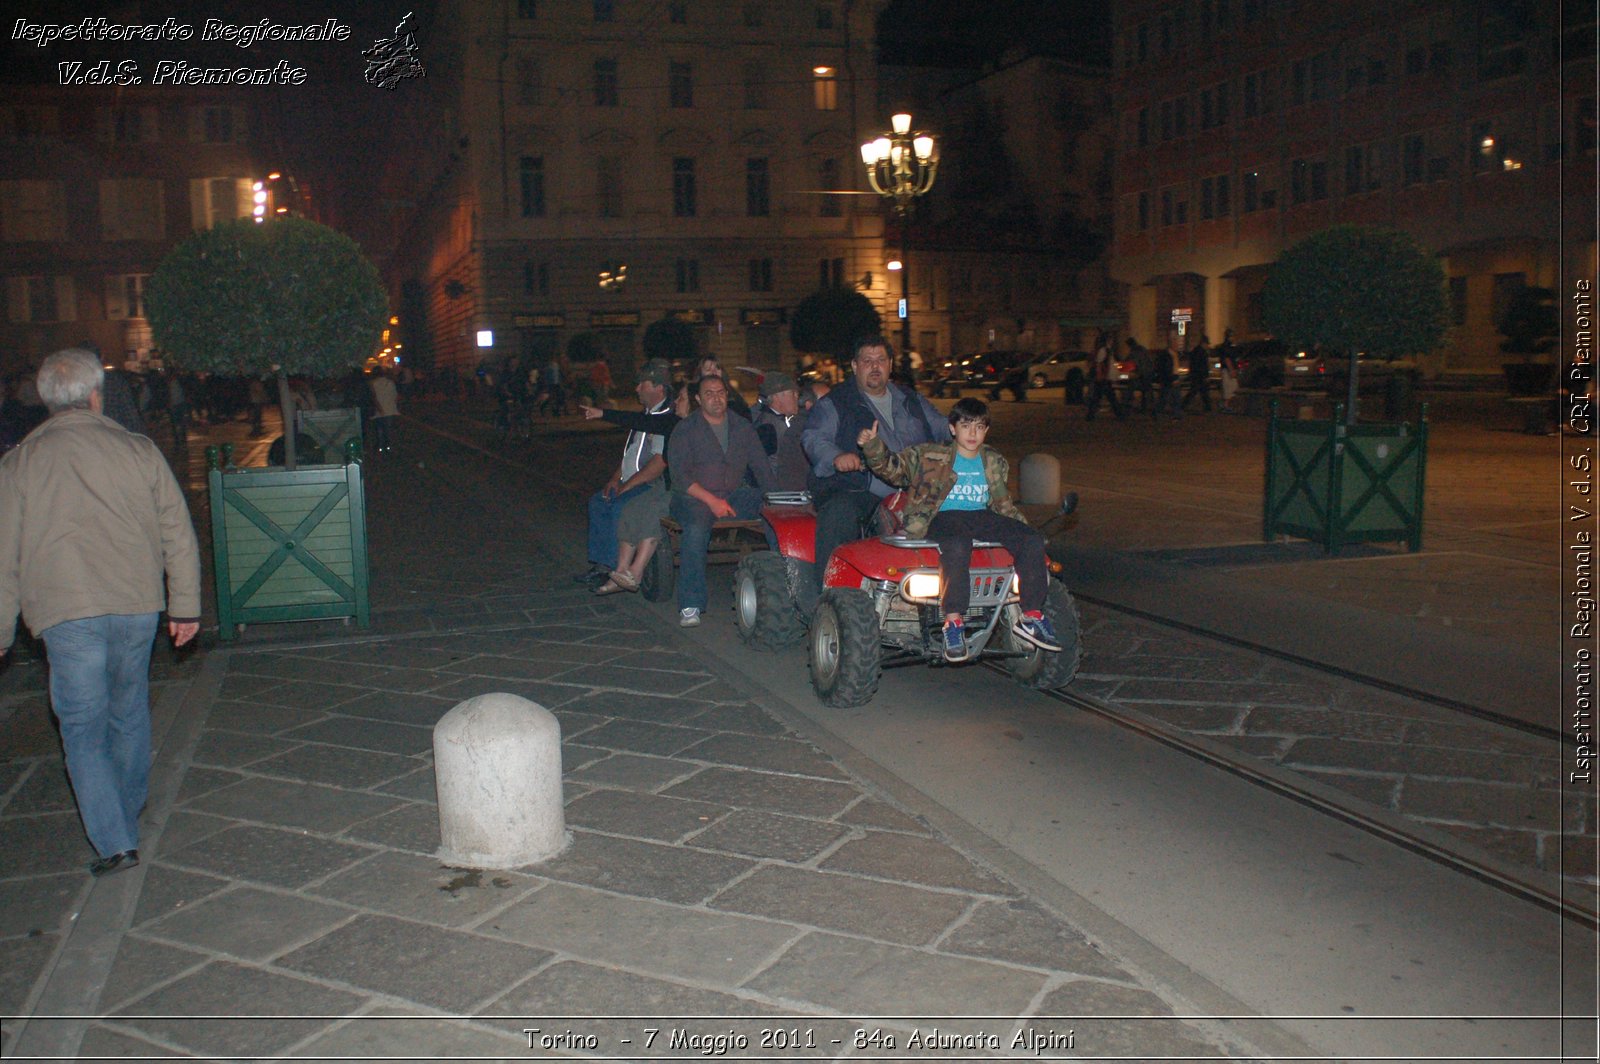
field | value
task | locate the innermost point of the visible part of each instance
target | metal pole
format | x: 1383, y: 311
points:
x: 905, y: 287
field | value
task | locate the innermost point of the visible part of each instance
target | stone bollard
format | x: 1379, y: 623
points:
x: 1039, y: 481
x: 497, y: 767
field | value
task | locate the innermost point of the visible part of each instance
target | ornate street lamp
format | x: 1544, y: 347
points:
x: 901, y: 165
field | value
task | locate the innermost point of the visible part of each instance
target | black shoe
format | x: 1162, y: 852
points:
x: 594, y: 577
x: 115, y: 863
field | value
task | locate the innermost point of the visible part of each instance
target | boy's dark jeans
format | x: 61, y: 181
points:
x: 954, y: 531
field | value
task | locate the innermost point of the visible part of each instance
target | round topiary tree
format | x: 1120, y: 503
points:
x: 830, y: 320
x: 287, y: 296
x: 1356, y: 288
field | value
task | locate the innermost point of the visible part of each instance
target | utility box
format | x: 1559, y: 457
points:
x: 1336, y: 484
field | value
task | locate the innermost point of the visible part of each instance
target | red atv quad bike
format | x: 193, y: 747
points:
x: 879, y: 607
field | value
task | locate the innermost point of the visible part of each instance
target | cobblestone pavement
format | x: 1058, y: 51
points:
x: 720, y: 866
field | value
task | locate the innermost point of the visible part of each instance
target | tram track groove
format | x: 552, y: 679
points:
x: 1546, y: 890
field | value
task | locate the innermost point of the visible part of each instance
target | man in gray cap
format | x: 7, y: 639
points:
x: 779, y: 422
x: 637, y: 478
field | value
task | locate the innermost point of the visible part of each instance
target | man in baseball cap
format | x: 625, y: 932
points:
x: 625, y: 515
x: 778, y: 423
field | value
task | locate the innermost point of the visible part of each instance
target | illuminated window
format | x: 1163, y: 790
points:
x: 125, y: 295
x: 825, y: 87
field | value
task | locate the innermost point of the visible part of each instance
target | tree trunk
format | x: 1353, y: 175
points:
x: 1353, y: 400
x: 286, y: 405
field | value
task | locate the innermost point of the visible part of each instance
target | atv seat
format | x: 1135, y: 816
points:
x: 900, y: 539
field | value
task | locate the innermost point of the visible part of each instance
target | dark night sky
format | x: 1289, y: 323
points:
x: 970, y: 32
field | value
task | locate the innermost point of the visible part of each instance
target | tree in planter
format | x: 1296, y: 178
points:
x: 1356, y: 288
x: 830, y: 320
x: 285, y: 297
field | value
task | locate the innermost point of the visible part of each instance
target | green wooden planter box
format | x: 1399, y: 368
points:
x: 331, y: 429
x: 288, y: 546
x: 1335, y: 484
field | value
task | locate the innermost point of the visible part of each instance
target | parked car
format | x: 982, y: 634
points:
x: 985, y: 369
x: 1261, y: 363
x: 1067, y: 368
x: 1304, y: 369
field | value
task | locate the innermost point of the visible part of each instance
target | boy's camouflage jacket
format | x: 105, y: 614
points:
x: 928, y: 469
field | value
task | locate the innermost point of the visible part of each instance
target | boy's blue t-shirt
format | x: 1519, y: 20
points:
x: 971, y: 491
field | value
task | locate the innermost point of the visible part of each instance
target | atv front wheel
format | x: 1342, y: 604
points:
x: 845, y: 662
x: 1046, y: 670
x: 764, y: 607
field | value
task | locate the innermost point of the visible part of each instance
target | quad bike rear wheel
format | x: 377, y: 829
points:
x: 844, y: 648
x: 764, y: 607
x: 1044, y: 670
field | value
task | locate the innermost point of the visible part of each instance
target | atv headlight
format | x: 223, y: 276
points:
x: 1016, y: 584
x: 920, y: 587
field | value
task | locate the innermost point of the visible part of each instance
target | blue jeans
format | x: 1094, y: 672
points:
x: 603, y: 511
x: 696, y: 519
x: 100, y: 691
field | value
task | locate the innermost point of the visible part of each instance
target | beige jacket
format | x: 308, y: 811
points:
x: 90, y: 519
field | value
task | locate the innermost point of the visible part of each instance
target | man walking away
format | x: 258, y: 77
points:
x: 1101, y: 365
x: 90, y: 521
x: 1199, y: 374
x: 385, y: 410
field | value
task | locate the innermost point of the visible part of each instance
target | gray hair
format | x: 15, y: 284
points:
x: 67, y: 379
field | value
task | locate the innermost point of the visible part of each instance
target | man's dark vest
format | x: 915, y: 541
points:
x: 856, y: 413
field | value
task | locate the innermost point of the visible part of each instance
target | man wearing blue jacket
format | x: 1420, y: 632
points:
x: 843, y: 489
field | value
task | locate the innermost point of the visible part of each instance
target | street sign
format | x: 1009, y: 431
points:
x: 1181, y: 314
x: 902, y: 307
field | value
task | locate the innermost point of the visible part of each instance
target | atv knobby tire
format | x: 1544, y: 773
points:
x: 660, y: 576
x: 764, y: 608
x: 844, y: 648
x: 1039, y: 669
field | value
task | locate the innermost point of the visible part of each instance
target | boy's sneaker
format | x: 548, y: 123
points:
x: 688, y: 617
x: 955, y: 642
x: 1037, y: 631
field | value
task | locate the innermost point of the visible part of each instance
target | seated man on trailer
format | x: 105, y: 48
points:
x: 709, y: 455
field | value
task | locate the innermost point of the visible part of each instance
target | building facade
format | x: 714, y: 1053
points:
x: 1010, y: 252
x: 1246, y: 125
x: 609, y: 164
x: 96, y: 186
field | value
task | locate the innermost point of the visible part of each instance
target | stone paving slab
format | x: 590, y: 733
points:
x: 141, y: 965
x: 422, y: 889
x: 646, y: 816
x: 451, y: 970
x: 770, y: 835
x: 858, y: 977
x: 890, y: 911
x: 219, y: 990
x: 645, y: 869
x: 666, y: 940
x: 1017, y: 931
x: 909, y: 859
x: 386, y: 1033
x: 247, y: 923
x: 35, y: 905
x: 765, y: 790
x: 382, y: 737
x: 293, y: 803
x: 267, y: 855
x: 633, y: 771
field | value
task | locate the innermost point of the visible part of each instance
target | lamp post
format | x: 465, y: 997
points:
x: 901, y: 165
